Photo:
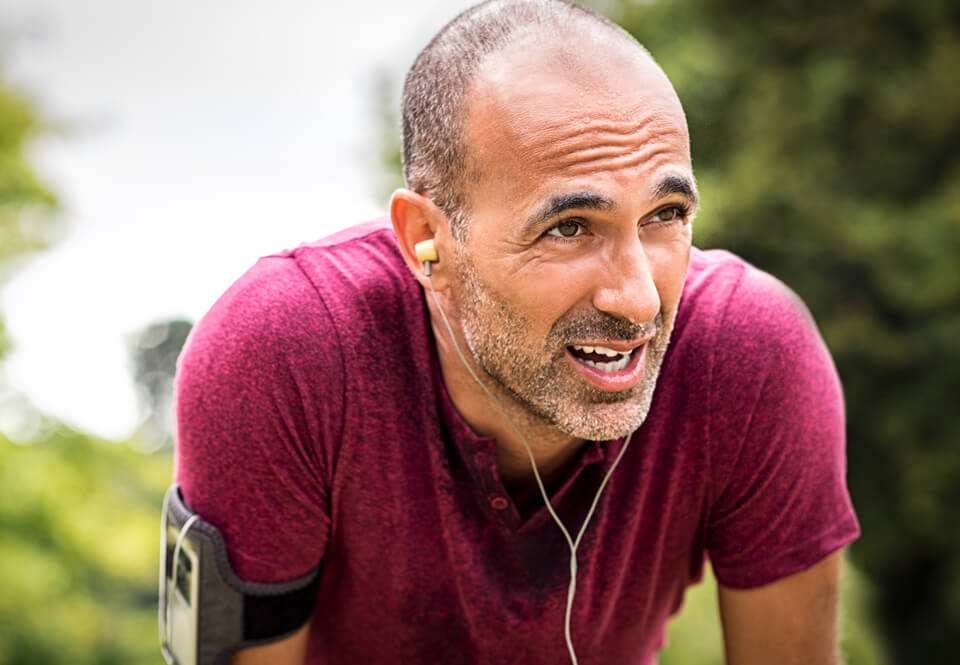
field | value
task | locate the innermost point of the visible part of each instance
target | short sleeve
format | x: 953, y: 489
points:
x: 780, y: 501
x: 258, y: 394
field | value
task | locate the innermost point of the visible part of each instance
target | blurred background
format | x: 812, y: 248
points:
x: 150, y: 152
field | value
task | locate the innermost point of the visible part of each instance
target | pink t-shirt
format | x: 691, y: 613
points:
x: 314, y: 428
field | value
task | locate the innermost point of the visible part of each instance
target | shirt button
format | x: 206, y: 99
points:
x: 498, y: 502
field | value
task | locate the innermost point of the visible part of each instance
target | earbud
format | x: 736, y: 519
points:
x: 426, y: 252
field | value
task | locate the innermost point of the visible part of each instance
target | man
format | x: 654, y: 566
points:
x: 329, y: 417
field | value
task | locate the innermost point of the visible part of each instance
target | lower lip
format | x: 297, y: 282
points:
x: 625, y: 379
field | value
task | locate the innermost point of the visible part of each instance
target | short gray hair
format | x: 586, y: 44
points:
x: 435, y: 160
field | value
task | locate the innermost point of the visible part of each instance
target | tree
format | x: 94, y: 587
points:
x: 79, y: 547
x: 26, y: 222
x: 79, y: 516
x: 154, y: 351
x: 826, y: 141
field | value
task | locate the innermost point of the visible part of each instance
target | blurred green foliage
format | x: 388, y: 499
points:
x: 153, y: 354
x: 26, y: 223
x: 826, y: 143
x: 79, y: 516
x: 79, y: 544
x: 25, y: 203
x: 389, y: 164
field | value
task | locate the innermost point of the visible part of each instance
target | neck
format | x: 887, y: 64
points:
x: 551, y: 448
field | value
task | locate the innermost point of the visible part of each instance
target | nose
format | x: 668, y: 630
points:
x: 626, y: 287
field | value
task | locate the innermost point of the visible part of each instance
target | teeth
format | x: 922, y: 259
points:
x: 602, y: 350
x: 615, y: 366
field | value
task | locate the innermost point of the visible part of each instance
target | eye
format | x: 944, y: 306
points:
x: 669, y: 214
x: 667, y: 217
x: 566, y: 229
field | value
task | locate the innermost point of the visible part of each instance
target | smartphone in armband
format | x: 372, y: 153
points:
x: 207, y: 613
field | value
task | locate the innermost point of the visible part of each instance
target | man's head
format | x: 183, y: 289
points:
x: 556, y: 153
x: 435, y: 93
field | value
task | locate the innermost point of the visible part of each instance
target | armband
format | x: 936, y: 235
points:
x: 206, y: 612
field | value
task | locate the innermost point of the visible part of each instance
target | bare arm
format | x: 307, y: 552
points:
x: 289, y: 651
x: 789, y: 622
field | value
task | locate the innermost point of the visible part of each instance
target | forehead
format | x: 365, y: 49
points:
x: 543, y: 115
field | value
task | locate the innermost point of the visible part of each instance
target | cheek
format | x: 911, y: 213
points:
x: 668, y: 265
x: 543, y: 295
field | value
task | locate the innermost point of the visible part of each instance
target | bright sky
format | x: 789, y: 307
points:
x: 203, y: 136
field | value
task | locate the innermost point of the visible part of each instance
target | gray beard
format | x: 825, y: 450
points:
x: 540, y: 380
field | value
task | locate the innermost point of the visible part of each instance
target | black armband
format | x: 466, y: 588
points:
x: 206, y: 612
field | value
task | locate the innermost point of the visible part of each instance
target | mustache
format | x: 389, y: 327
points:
x: 604, y: 326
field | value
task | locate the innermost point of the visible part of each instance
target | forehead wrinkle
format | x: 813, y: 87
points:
x: 624, y: 163
x: 567, y: 129
x: 527, y: 115
x: 631, y: 126
x: 563, y: 140
x: 621, y: 153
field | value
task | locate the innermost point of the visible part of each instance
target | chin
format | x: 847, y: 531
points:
x: 603, y: 422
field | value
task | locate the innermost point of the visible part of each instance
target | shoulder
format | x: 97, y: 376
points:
x: 270, y: 353
x: 746, y: 319
x: 771, y: 385
x: 296, y: 304
x: 257, y: 364
x: 739, y: 293
x: 261, y: 393
x: 776, y: 427
x: 358, y: 268
x: 762, y: 343
x: 271, y: 312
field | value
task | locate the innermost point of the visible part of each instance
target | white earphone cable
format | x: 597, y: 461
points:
x: 171, y: 588
x: 573, y: 544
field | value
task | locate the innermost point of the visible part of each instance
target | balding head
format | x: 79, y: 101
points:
x: 439, y: 85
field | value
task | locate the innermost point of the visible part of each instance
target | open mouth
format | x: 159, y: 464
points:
x: 601, y: 357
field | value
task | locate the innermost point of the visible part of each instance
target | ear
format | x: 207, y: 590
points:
x: 415, y: 219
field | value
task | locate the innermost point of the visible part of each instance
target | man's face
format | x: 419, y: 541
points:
x: 578, y: 235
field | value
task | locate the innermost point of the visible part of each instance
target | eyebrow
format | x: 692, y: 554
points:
x: 563, y: 202
x: 586, y: 200
x: 675, y: 184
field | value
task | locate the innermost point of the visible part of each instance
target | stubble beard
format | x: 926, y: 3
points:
x: 540, y: 378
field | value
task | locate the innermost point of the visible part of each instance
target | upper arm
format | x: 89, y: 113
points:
x: 789, y: 622
x: 258, y: 398
x: 780, y: 512
x: 779, y: 500
x: 288, y: 651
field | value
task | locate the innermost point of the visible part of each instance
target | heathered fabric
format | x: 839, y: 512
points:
x: 314, y: 428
